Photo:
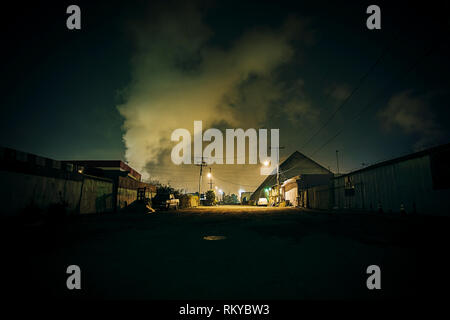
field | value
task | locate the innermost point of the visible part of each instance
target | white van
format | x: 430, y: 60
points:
x: 263, y: 202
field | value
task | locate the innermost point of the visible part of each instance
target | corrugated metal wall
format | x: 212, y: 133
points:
x: 319, y: 197
x: 407, y: 182
x: 19, y: 191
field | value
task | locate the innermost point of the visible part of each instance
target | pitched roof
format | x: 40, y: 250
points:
x: 426, y: 152
x: 296, y: 164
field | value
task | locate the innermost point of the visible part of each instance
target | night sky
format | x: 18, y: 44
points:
x: 118, y: 87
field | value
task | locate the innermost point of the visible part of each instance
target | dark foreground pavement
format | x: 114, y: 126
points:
x: 267, y: 253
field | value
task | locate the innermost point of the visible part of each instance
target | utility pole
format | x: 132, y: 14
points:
x: 202, y: 164
x: 337, y: 160
x: 278, y: 183
x: 278, y: 172
x: 210, y: 179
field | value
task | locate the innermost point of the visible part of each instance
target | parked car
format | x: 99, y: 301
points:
x: 262, y: 202
x: 166, y: 201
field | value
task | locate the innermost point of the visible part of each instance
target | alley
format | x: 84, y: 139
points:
x: 252, y: 253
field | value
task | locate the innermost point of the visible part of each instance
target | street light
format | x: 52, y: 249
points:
x: 266, y: 163
x: 240, y: 194
x: 209, y: 175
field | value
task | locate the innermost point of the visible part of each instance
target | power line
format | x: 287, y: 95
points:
x: 238, y: 184
x: 357, y: 86
x: 362, y: 111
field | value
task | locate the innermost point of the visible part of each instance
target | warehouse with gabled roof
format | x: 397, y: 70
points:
x: 296, y: 165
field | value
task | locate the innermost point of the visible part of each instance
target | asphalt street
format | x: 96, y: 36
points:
x: 228, y: 252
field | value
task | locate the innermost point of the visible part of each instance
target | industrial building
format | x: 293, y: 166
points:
x: 297, y: 172
x: 294, y: 190
x: 126, y: 181
x: 36, y: 184
x: 416, y: 183
x: 245, y: 196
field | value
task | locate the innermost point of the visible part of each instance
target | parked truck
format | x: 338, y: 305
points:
x: 166, y: 201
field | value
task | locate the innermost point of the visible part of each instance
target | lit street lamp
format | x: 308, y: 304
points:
x: 240, y: 192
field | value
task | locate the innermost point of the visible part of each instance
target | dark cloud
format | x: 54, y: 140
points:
x: 411, y: 114
x: 338, y: 92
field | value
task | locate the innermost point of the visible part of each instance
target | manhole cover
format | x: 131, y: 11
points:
x: 214, y: 238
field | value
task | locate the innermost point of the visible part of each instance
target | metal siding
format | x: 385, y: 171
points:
x: 292, y: 195
x: 406, y: 182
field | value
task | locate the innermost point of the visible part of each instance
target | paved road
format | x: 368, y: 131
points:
x: 261, y: 253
